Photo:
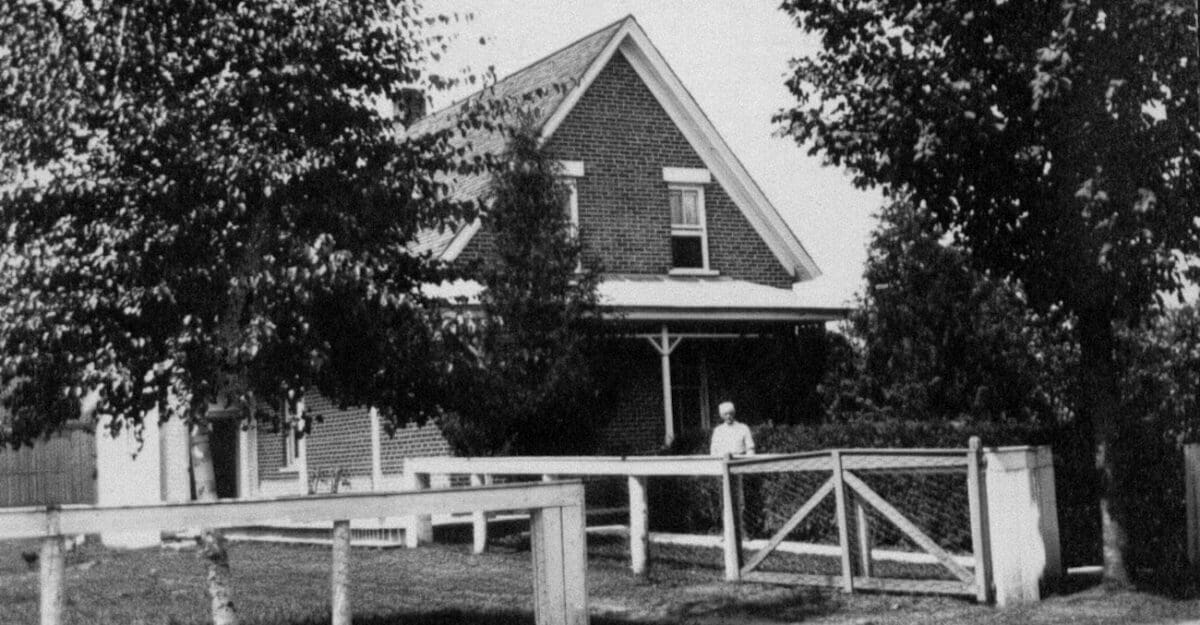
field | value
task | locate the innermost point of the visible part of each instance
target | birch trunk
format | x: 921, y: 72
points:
x: 212, y: 542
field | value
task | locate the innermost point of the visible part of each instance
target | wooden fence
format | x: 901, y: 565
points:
x: 556, y: 534
x: 840, y: 473
x: 418, y: 472
x: 1007, y: 497
x: 57, y: 470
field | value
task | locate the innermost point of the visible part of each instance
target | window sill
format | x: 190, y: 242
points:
x: 289, y: 470
x: 694, y: 272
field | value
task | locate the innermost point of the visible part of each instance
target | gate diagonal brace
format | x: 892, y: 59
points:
x: 900, y: 521
x: 792, y: 523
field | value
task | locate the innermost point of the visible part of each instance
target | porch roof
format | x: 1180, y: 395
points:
x: 695, y: 298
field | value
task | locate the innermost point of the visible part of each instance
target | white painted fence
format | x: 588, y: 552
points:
x: 557, y: 534
x: 1013, y: 511
x: 417, y: 473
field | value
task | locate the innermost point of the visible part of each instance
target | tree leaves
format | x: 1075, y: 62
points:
x: 529, y: 387
x: 994, y: 114
x: 201, y: 204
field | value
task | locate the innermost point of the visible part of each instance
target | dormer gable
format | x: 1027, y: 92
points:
x: 737, y: 224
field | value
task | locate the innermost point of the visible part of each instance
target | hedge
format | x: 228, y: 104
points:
x: 1157, y: 540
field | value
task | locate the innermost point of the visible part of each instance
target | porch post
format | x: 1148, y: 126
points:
x: 664, y: 349
x: 376, y: 452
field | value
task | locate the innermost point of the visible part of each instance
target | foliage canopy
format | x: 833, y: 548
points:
x: 1056, y: 140
x: 940, y: 340
x: 202, y: 203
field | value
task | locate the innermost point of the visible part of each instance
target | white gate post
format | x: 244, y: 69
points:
x: 639, y: 525
x: 1191, y: 480
x: 1022, y: 519
x: 977, y: 504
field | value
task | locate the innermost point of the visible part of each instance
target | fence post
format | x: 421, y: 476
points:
x: 1022, y: 522
x: 839, y: 492
x: 977, y: 500
x: 479, y: 528
x: 863, y: 523
x: 420, y: 526
x: 732, y: 532
x: 559, y: 566
x: 340, y: 576
x: 639, y: 525
x: 1191, y: 479
x: 50, y: 571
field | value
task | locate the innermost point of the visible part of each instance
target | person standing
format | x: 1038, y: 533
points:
x: 731, y: 437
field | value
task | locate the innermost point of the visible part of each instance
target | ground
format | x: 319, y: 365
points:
x: 289, y: 585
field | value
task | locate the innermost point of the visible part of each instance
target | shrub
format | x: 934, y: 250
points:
x: 694, y: 504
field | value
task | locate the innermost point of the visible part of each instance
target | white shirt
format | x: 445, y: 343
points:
x: 733, y: 438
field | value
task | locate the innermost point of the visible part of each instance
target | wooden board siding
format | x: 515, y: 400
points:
x: 59, y: 470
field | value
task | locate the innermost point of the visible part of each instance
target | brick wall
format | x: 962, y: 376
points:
x: 625, y: 138
x: 341, y: 439
x: 411, y: 441
x: 635, y: 419
x: 270, y: 455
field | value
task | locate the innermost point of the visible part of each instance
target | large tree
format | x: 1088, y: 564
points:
x: 941, y: 340
x: 1056, y: 140
x: 202, y: 204
x: 530, y: 385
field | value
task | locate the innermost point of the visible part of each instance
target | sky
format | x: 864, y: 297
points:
x: 733, y: 58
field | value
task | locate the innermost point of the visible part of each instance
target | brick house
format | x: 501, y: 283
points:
x: 703, y: 278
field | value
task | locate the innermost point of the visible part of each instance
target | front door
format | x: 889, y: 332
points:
x: 224, y: 445
x: 689, y: 387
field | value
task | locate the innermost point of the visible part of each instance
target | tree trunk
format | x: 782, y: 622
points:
x: 1100, y: 405
x: 212, y: 542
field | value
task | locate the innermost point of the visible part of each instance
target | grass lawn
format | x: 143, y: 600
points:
x: 289, y: 585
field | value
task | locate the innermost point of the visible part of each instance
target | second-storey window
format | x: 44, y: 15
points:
x: 689, y: 235
x: 571, y: 205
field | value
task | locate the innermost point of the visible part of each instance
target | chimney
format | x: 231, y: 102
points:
x: 408, y: 105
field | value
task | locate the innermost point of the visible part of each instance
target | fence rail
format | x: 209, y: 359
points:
x: 939, y: 540
x: 557, y: 533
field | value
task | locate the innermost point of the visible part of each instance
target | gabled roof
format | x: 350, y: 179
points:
x: 553, y: 85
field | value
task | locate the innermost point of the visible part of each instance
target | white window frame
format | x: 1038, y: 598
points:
x: 572, y: 207
x: 295, y: 446
x: 569, y: 174
x: 700, y: 231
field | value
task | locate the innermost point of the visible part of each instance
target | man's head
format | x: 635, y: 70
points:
x: 727, y: 411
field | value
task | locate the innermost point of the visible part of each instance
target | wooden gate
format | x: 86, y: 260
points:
x: 57, y: 470
x: 938, y: 545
